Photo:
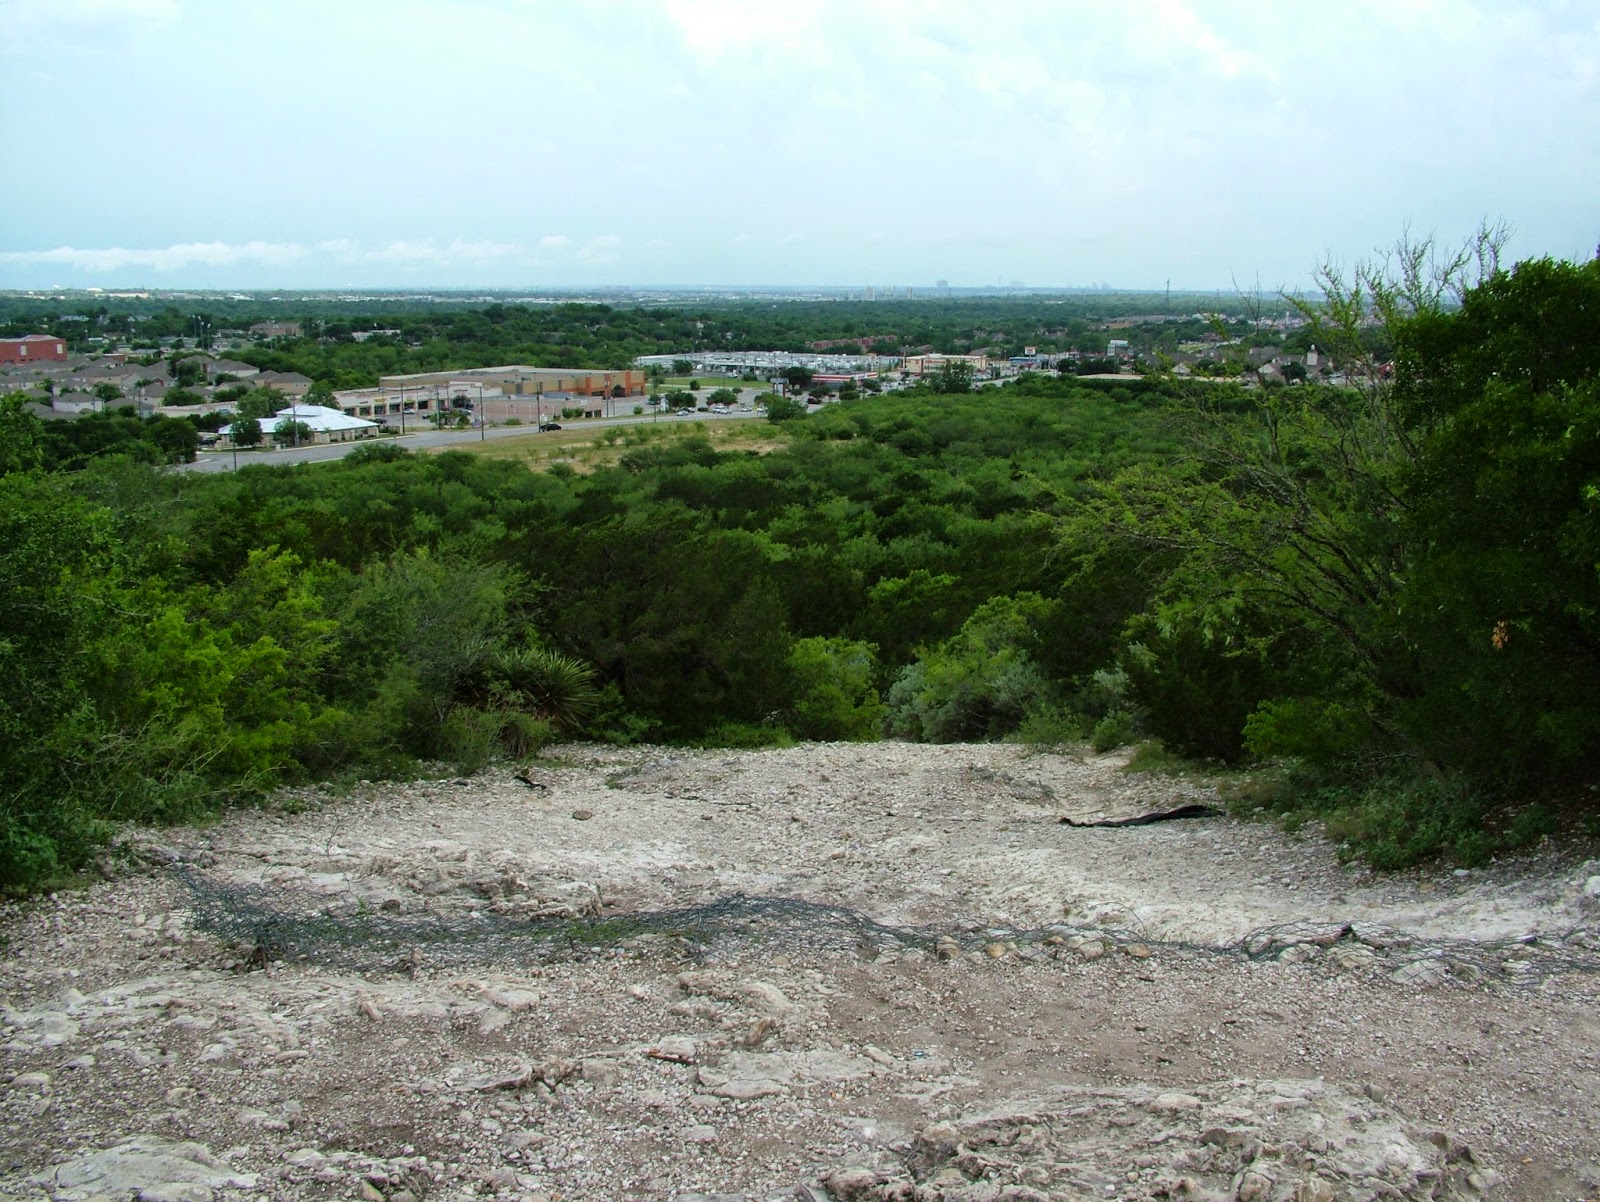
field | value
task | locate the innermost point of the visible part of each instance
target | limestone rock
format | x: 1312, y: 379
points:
x: 677, y: 1048
x: 744, y: 1089
x: 146, y: 1165
x: 1239, y: 1140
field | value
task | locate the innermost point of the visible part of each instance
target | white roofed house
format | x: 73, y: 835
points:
x: 326, y: 425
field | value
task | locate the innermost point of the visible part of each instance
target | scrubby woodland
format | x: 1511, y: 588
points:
x: 1389, y: 592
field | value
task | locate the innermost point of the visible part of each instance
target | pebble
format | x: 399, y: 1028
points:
x: 679, y: 1049
x: 744, y: 1089
x: 1174, y: 1102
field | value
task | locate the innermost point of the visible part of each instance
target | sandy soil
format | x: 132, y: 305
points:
x: 357, y: 997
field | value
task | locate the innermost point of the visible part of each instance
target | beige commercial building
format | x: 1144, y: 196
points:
x: 519, y: 380
x: 921, y: 365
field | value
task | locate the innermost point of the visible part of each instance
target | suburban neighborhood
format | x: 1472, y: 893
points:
x: 204, y: 375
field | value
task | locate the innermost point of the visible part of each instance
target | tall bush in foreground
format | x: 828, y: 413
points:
x: 1432, y: 528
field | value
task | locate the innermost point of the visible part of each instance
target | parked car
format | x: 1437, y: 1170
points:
x: 543, y: 426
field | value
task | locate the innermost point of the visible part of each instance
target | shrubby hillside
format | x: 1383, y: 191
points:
x: 1391, y: 589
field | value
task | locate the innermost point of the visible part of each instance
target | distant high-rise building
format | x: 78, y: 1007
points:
x: 942, y: 285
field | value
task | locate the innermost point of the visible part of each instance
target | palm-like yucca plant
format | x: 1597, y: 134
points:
x: 546, y: 683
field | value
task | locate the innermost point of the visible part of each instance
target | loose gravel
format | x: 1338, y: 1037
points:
x: 1025, y: 1010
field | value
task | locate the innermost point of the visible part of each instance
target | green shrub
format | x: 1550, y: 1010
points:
x: 470, y: 739
x: 1152, y: 756
x: 1325, y: 735
x: 980, y: 684
x: 1397, y: 821
x: 524, y: 735
x: 834, y: 695
x: 536, y: 680
x: 784, y: 409
x: 1049, y: 725
x: 28, y: 856
x: 1113, y: 731
x: 744, y: 736
x: 1195, y: 681
x: 611, y: 721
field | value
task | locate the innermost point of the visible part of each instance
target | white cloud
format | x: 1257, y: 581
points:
x: 604, y: 249
x: 717, y: 27
x: 462, y: 251
x: 342, y: 249
x: 183, y: 255
x: 82, y: 24
x: 164, y: 258
x: 1176, y: 28
x: 427, y: 251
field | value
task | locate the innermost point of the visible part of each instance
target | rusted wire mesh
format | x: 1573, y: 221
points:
x: 279, y: 924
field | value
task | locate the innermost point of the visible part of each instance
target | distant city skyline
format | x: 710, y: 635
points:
x: 884, y: 144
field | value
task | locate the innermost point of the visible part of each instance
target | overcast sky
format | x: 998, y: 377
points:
x: 542, y: 143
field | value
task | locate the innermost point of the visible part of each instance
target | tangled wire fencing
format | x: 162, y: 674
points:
x: 302, y: 926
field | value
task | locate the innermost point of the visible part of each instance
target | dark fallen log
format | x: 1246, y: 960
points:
x: 1188, y: 811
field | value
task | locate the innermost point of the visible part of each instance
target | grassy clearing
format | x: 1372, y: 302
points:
x: 583, y: 449
x: 673, y: 383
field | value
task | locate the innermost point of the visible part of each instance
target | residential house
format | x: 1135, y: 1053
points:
x: 214, y: 367
x: 275, y: 329
x: 291, y: 383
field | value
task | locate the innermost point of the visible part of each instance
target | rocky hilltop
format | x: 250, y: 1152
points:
x: 831, y: 972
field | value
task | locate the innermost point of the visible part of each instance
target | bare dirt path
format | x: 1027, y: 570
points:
x: 872, y: 972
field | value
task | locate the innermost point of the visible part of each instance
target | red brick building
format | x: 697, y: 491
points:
x: 33, y: 348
